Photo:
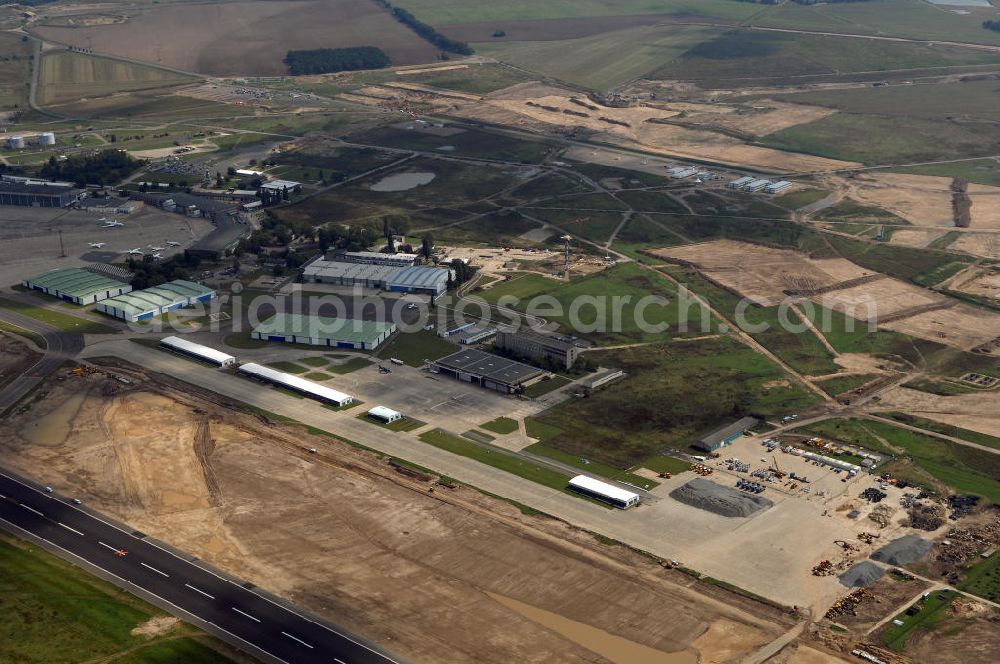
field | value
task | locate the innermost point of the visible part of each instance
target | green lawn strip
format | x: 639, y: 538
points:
x: 414, y: 348
x: 404, y: 424
x: 840, y: 384
x: 543, y: 387
x: 945, y: 429
x: 593, y: 467
x: 57, y: 319
x: 288, y: 367
x: 350, y: 365
x: 495, y: 458
x: 37, y: 339
x: 318, y: 376
x: 983, y: 579
x: 798, y: 199
x: 963, y: 469
x: 666, y: 464
x: 315, y: 362
x: 51, y: 611
x: 932, y: 610
x: 347, y: 406
x: 501, y: 425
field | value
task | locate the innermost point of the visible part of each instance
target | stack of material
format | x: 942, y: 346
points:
x: 707, y: 495
x: 903, y: 551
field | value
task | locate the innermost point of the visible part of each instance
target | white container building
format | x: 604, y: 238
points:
x: 740, y: 183
x: 384, y: 415
x: 756, y: 185
x: 776, y: 187
x: 608, y: 493
x: 197, y: 351
x: 296, y: 384
x: 15, y: 142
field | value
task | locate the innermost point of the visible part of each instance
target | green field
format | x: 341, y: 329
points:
x: 68, y: 76
x: 288, y: 367
x: 464, y: 142
x: 947, y: 429
x: 983, y: 579
x: 474, y: 79
x: 501, y: 425
x: 447, y: 12
x: 51, y: 611
x: 15, y: 71
x: 415, y: 348
x: 671, y: 396
x: 841, y: 384
x: 932, y: 610
x: 980, y: 171
x: 57, y: 319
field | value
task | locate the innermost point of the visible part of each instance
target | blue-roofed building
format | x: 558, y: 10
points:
x: 426, y: 280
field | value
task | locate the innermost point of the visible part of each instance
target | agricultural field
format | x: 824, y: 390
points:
x: 67, y: 76
x: 979, y: 171
x: 258, y: 34
x: 15, y: 71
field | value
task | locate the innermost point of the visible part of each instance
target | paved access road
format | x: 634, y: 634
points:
x: 246, y: 616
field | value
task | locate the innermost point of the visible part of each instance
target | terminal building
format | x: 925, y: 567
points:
x: 726, y: 435
x: 539, y: 347
x: 146, y: 304
x: 487, y: 370
x: 324, y: 331
x: 77, y: 285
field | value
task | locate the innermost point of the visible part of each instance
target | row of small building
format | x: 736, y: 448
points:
x: 752, y: 184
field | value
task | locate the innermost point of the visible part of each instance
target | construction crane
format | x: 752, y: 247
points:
x: 778, y: 472
x: 567, y: 239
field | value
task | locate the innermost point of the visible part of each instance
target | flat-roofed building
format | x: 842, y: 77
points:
x: 38, y: 194
x: 77, y: 285
x: 151, y: 302
x: 346, y: 333
x: 726, y: 435
x: 348, y: 274
x: 487, y: 370
x: 544, y: 348
x: 374, y: 258
x: 424, y: 280
x: 385, y: 415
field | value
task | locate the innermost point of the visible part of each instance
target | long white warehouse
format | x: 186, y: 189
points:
x: 296, y: 384
x: 197, y: 351
x: 609, y: 493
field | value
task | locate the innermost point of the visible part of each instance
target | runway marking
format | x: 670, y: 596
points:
x: 197, y: 590
x: 244, y: 613
x: 31, y: 509
x: 155, y: 570
x: 295, y: 638
x: 339, y: 661
x: 72, y: 530
x: 108, y: 546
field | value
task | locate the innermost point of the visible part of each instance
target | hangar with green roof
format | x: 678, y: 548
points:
x: 151, y: 302
x: 74, y: 284
x: 324, y: 331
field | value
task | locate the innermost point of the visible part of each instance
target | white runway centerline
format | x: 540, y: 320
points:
x: 244, y: 613
x: 72, y: 530
x: 197, y: 590
x: 108, y: 546
x: 150, y: 567
x: 295, y: 638
x: 31, y: 509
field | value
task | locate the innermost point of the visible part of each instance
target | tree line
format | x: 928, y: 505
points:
x: 327, y: 60
x: 426, y: 31
x: 992, y: 25
x: 101, y: 168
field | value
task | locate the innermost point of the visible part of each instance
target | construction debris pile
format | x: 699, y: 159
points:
x: 873, y: 495
x: 882, y: 515
x: 927, y: 517
x: 861, y: 575
x: 962, y: 544
x: 961, y: 506
x: 725, y: 501
x: 903, y: 551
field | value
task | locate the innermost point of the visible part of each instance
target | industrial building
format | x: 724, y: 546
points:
x: 608, y: 493
x: 221, y: 240
x: 373, y: 258
x: 77, y: 285
x: 38, y: 193
x: 539, y: 347
x: 681, y: 172
x: 324, y: 331
x: 113, y: 205
x: 384, y: 415
x: 189, y: 205
x: 296, y: 384
x: 417, y: 279
x: 756, y: 185
x: 280, y: 186
x: 777, y: 187
x: 740, y: 183
x: 197, y: 351
x: 726, y: 435
x: 487, y: 370
x: 151, y: 302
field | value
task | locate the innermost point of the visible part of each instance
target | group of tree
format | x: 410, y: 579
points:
x: 992, y: 25
x: 149, y: 272
x: 100, y: 168
x: 426, y: 31
x: 460, y: 273
x: 328, y: 60
x: 961, y: 204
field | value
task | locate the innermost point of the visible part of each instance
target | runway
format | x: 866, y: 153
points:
x: 254, y: 623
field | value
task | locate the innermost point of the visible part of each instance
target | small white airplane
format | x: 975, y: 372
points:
x: 97, y: 245
x: 156, y: 248
x: 112, y: 224
x: 133, y: 252
x: 171, y: 243
x: 157, y: 256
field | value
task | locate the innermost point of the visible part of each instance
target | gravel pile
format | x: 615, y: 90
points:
x: 903, y: 551
x: 861, y: 575
x: 707, y: 495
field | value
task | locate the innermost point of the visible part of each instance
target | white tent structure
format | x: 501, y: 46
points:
x: 296, y: 384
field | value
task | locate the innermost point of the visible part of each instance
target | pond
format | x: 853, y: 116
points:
x: 402, y: 181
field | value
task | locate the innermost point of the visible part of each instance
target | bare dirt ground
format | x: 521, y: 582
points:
x: 926, y: 200
x: 977, y: 411
x: 985, y: 283
x: 962, y: 326
x: 762, y: 117
x: 986, y: 245
x: 967, y: 634
x: 760, y: 273
x: 915, y: 237
x: 245, y: 37
x: 15, y: 357
x: 802, y: 654
x: 345, y: 535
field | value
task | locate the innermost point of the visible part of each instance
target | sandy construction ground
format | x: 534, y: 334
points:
x: 343, y: 534
x: 986, y: 245
x: 245, y: 37
x: 915, y: 237
x: 926, y: 200
x: 766, y: 117
x: 978, y: 411
x: 760, y: 273
x: 985, y: 284
x: 962, y: 326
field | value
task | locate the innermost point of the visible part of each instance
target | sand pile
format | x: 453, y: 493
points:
x: 903, y: 551
x: 861, y: 575
x: 708, y: 495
